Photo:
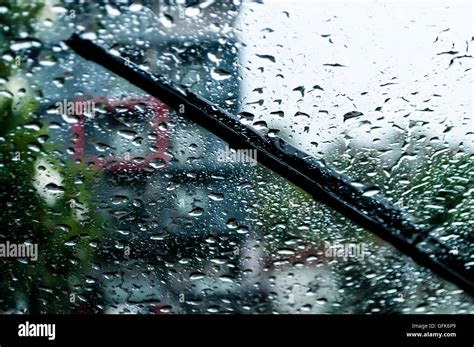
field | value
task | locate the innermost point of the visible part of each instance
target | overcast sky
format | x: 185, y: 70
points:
x: 389, y: 50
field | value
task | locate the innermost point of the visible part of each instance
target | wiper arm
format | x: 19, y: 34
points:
x: 312, y: 175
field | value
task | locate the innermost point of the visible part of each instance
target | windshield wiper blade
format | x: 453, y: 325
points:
x: 337, y: 191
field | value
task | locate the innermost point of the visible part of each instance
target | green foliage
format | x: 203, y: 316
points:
x: 45, y: 285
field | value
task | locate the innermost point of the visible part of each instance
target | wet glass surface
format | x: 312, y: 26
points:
x: 134, y: 208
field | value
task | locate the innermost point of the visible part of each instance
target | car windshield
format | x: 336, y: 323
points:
x: 122, y: 202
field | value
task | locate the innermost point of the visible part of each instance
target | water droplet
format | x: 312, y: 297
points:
x: 220, y: 74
